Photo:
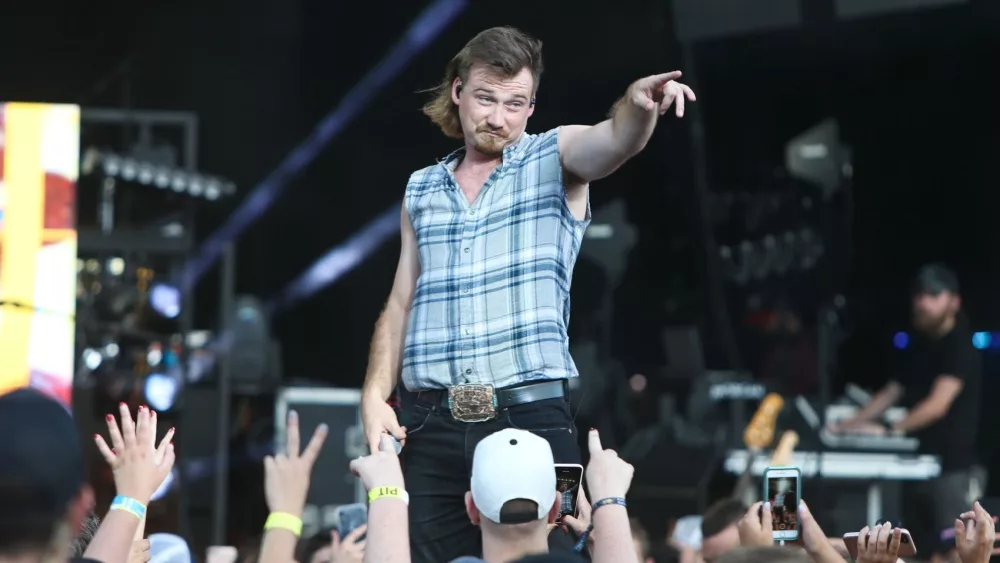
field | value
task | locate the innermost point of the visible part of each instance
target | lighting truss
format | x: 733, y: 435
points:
x: 155, y: 175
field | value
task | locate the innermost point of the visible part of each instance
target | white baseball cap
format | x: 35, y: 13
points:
x: 513, y: 465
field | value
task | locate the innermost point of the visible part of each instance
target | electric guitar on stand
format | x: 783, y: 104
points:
x: 759, y: 434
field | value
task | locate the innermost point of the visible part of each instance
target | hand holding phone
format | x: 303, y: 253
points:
x: 975, y: 534
x: 782, y: 490
x: 755, y: 527
x: 569, y: 480
x: 350, y: 517
x: 884, y: 533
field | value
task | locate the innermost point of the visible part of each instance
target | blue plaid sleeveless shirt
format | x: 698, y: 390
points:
x: 492, y: 301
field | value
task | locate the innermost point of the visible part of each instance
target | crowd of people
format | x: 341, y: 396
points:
x: 512, y: 501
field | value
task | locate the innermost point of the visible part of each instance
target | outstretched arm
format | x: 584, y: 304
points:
x: 592, y: 152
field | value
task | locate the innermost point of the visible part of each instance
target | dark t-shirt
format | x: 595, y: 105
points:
x: 953, y: 438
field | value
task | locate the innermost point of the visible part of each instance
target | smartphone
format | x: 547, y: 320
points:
x: 569, y: 479
x: 350, y: 517
x: 783, y: 489
x: 906, y: 546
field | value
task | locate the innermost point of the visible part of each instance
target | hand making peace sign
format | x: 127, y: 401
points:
x: 286, y: 475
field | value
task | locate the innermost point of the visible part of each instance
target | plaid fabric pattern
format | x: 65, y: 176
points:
x: 492, y: 300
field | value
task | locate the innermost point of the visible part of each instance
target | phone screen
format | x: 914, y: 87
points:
x: 568, y: 481
x: 350, y: 517
x: 783, y: 494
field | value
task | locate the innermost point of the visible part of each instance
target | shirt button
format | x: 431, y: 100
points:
x: 468, y: 372
x: 466, y: 250
x: 467, y: 332
x: 466, y: 290
x: 472, y: 212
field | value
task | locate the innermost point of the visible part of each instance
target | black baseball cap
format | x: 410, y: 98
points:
x: 935, y: 278
x: 41, y: 459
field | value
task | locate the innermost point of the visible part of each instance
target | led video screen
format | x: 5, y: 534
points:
x: 39, y: 165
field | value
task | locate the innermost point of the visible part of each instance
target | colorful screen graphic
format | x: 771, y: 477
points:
x: 39, y: 163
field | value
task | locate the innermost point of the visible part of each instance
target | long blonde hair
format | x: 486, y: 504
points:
x: 505, y: 50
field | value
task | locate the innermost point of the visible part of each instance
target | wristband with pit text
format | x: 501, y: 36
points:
x: 379, y: 493
x: 130, y: 505
x: 284, y: 521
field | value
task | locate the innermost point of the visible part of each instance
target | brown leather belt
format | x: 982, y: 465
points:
x: 479, y: 403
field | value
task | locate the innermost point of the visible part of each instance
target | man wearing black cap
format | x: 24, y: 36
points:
x: 939, y: 382
x: 43, y: 495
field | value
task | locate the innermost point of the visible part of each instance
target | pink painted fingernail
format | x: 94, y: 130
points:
x: 97, y: 436
x: 110, y: 417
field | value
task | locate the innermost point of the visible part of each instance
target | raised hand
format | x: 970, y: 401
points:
x: 581, y: 522
x: 879, y: 544
x: 381, y: 469
x: 975, y: 533
x: 755, y: 527
x: 286, y: 475
x: 661, y: 91
x: 379, y: 419
x: 138, y: 464
x: 140, y: 552
x: 348, y: 550
x: 608, y: 476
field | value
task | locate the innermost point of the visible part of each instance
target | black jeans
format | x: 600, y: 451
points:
x: 437, y: 466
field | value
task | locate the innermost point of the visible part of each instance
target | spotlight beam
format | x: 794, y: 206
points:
x: 338, y: 261
x: 421, y: 32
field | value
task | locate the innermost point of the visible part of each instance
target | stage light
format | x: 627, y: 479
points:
x: 165, y: 300
x: 112, y: 165
x: 92, y: 359
x: 156, y: 175
x: 116, y: 266
x: 162, y: 177
x: 196, y: 188
x: 981, y: 340
x: 111, y: 350
x: 146, y: 173
x: 154, y: 356
x: 901, y: 340
x: 161, y: 390
x: 129, y: 169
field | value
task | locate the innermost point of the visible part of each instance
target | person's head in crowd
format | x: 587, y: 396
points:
x: 936, y: 300
x: 640, y: 537
x: 513, y: 496
x: 314, y: 549
x: 42, y: 475
x: 86, y: 533
x: 168, y: 548
x: 773, y: 554
x: 719, y: 534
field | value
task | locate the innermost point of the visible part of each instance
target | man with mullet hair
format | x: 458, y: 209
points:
x: 478, y: 314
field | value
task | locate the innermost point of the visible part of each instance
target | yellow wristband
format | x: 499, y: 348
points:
x: 284, y: 521
x: 388, y: 492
